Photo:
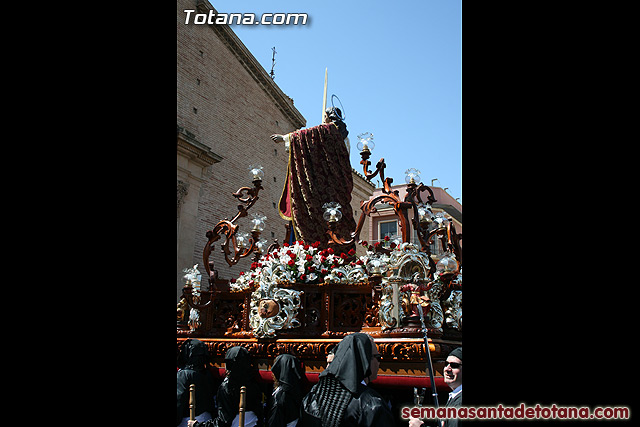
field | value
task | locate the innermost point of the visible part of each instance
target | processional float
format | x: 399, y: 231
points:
x: 300, y: 299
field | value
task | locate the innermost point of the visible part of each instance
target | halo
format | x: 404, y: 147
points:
x: 341, y: 107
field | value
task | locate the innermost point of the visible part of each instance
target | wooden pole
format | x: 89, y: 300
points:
x: 243, y: 403
x: 192, y: 402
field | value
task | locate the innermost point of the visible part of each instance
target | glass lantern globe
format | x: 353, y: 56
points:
x: 447, y: 264
x: 257, y: 222
x: 257, y: 174
x: 412, y: 176
x: 440, y: 220
x: 242, y: 240
x: 377, y: 266
x: 332, y: 212
x: 425, y: 215
x: 262, y: 245
x: 365, y: 142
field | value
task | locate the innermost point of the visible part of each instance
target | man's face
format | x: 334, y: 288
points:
x: 453, y: 376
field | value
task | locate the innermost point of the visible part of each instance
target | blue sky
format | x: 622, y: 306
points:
x: 396, y: 67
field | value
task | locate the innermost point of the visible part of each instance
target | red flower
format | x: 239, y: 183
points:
x: 340, y: 274
x: 308, y: 257
x: 344, y: 256
x: 364, y: 243
x: 311, y: 269
x: 377, y: 244
x: 286, y: 245
x: 291, y: 263
x: 352, y: 252
x: 303, y: 277
x: 330, y: 250
x: 324, y: 271
x: 359, y: 262
x: 386, y: 238
x: 315, y: 245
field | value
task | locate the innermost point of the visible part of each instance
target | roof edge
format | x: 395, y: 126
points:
x: 251, y: 64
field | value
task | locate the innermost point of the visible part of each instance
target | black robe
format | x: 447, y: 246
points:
x: 365, y: 408
x: 285, y: 401
x: 240, y: 373
x: 340, y: 398
x: 192, y: 361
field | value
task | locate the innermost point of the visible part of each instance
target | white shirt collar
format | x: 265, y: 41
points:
x: 455, y: 392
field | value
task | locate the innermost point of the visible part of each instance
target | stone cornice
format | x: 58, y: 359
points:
x: 251, y: 64
x: 191, y: 147
x: 363, y: 179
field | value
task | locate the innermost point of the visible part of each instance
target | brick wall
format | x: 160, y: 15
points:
x: 225, y: 103
x: 229, y: 111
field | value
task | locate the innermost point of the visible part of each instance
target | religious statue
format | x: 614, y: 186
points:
x: 414, y: 300
x: 318, y: 172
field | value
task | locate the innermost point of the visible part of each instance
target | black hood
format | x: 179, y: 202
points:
x: 352, y: 361
x: 287, y: 370
x: 238, y: 364
x: 193, y: 355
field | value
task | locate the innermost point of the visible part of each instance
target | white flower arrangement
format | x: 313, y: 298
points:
x: 302, y: 263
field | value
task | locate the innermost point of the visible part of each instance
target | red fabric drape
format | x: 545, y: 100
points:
x: 319, y: 172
